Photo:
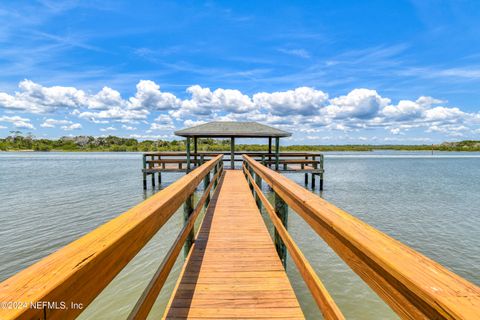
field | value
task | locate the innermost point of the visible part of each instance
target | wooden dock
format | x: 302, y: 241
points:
x: 309, y: 163
x: 233, y: 270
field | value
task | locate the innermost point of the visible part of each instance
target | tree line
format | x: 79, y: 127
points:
x: 18, y: 141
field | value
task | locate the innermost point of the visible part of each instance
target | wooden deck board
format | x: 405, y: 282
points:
x: 233, y: 271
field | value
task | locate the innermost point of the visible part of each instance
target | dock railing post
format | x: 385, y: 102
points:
x: 277, y: 151
x: 187, y: 211
x: 281, y: 209
x: 258, y: 181
x: 206, y: 182
x: 215, y: 170
x: 188, y: 154
x: 321, y: 172
x: 313, y: 174
x: 144, y: 173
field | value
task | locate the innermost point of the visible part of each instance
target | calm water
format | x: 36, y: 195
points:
x: 430, y: 203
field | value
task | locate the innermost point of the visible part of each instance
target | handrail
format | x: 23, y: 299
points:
x: 78, y: 272
x: 413, y: 285
x: 323, y: 299
x: 150, y: 294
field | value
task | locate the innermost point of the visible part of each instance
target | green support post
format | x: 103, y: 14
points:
x: 144, y: 173
x: 258, y: 181
x: 232, y: 153
x: 187, y: 212
x: 270, y: 152
x: 206, y: 182
x: 321, y: 173
x: 277, y: 151
x: 195, y: 151
x: 281, y: 209
x: 215, y: 170
x: 188, y: 154
x: 313, y: 174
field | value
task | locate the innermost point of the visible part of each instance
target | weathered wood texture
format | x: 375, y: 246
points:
x: 414, y: 286
x: 79, y: 271
x: 233, y: 270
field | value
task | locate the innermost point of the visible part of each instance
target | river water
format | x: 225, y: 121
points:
x: 430, y: 203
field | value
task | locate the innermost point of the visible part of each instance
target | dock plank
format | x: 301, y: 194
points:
x: 233, y: 271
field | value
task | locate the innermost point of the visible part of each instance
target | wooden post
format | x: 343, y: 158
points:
x: 159, y: 172
x: 277, y: 151
x: 187, y: 211
x: 281, y: 209
x: 153, y: 179
x: 258, y: 181
x: 206, y: 182
x: 313, y: 181
x: 144, y: 173
x: 188, y: 154
x: 321, y: 174
x: 232, y: 153
x: 306, y: 179
x: 215, y: 170
x: 195, y: 151
x: 270, y: 152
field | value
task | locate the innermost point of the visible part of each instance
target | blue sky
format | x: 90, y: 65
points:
x: 331, y: 72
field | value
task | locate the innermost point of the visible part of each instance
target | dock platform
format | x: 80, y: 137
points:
x: 233, y: 270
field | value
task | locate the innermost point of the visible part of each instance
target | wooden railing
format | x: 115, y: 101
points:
x: 414, y: 286
x: 77, y: 273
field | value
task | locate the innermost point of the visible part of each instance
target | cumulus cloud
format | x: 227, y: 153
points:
x: 298, y: 109
x: 358, y: 103
x: 203, y: 101
x: 150, y: 97
x: 35, y: 98
x: 18, y: 122
x: 304, y: 101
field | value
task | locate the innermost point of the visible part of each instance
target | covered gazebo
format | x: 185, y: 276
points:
x: 232, y: 130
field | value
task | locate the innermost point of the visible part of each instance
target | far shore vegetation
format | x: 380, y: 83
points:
x: 26, y: 142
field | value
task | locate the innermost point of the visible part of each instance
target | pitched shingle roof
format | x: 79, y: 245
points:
x: 232, y: 129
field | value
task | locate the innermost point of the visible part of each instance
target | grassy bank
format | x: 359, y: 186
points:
x: 112, y: 143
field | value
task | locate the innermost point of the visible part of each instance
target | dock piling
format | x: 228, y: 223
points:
x: 281, y: 209
x: 187, y: 212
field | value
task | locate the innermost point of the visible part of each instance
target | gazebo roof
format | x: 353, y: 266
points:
x: 232, y: 129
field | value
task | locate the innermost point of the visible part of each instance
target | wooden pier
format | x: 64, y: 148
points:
x: 233, y: 269
x: 308, y: 163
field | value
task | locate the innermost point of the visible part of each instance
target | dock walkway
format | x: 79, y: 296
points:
x: 233, y: 270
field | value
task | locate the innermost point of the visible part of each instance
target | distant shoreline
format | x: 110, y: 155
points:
x: 20, y: 143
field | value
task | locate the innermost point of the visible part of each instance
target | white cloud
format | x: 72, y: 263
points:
x: 129, y: 128
x: 35, y: 98
x: 108, y: 129
x: 3, y: 127
x: 73, y: 126
x: 303, y: 110
x: 156, y: 126
x: 204, y: 101
x: 18, y: 122
x: 150, y: 97
x: 51, y: 123
x: 115, y: 113
x: 193, y: 123
x: 303, y: 100
x: 358, y: 103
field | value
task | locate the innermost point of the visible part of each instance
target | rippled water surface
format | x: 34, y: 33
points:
x: 431, y: 203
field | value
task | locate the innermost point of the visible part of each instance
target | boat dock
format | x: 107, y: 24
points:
x: 233, y: 267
